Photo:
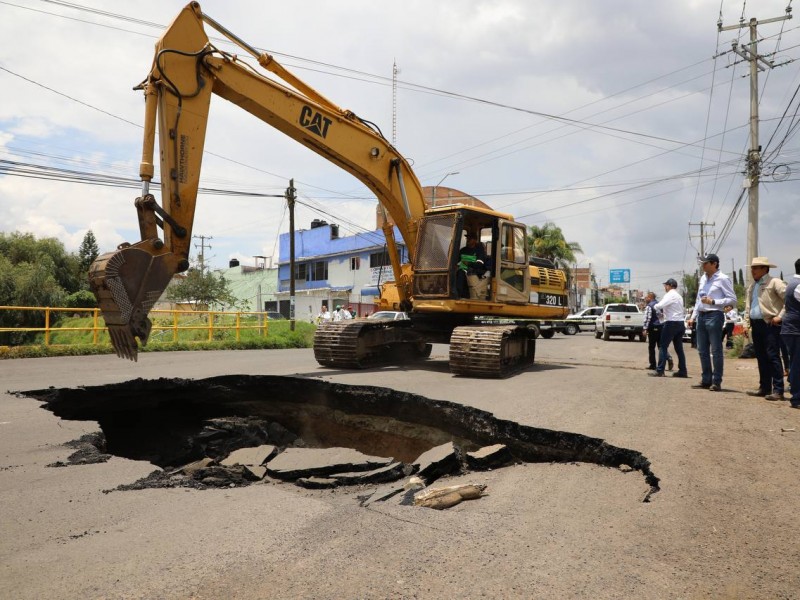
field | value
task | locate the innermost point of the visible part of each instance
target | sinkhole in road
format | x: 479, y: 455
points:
x: 172, y: 422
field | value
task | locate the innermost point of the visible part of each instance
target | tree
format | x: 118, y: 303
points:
x: 88, y: 251
x: 27, y: 284
x: 24, y: 248
x: 690, y: 285
x: 202, y: 289
x: 548, y: 242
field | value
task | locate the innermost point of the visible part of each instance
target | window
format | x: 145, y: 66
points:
x: 355, y: 263
x: 435, y: 238
x: 301, y: 271
x: 618, y: 308
x: 513, y: 244
x: 379, y: 259
x: 319, y: 271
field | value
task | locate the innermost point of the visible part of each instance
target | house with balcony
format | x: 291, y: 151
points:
x: 331, y: 270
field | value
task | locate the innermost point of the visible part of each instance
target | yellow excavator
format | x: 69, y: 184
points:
x: 489, y: 322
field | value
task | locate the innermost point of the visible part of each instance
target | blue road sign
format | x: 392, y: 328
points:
x: 619, y: 275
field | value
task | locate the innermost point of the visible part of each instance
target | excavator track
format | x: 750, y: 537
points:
x: 492, y: 351
x: 361, y: 344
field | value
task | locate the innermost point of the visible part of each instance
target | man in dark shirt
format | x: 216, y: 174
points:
x: 790, y: 332
x: 472, y: 261
x: 652, y: 329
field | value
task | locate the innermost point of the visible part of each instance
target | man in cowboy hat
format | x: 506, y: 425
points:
x: 763, y: 314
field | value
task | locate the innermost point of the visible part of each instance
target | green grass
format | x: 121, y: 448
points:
x: 77, y: 343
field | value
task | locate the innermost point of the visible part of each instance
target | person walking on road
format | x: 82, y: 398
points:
x: 763, y: 313
x: 714, y: 293
x: 652, y: 329
x: 790, y: 333
x: 671, y: 312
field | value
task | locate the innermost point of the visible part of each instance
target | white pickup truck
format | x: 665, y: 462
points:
x: 620, y: 319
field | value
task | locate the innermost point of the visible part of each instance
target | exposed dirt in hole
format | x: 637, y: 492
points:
x: 172, y: 422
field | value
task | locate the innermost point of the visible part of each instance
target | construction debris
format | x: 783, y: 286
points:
x: 446, y: 497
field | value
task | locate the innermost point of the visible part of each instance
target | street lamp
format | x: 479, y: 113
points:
x: 433, y: 195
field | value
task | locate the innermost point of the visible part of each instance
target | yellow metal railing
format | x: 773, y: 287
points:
x: 210, y: 320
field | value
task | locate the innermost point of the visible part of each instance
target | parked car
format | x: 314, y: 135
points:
x: 688, y: 333
x: 389, y: 315
x: 585, y: 319
x: 275, y: 316
x: 620, y: 319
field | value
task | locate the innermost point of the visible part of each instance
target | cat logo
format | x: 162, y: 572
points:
x: 314, y: 122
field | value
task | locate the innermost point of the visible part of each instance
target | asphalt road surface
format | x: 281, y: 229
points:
x: 723, y: 525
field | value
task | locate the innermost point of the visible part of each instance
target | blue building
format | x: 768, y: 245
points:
x: 332, y: 270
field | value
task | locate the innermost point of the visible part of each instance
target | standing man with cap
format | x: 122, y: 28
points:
x: 672, y: 328
x: 714, y: 293
x: 763, y: 313
x: 790, y: 332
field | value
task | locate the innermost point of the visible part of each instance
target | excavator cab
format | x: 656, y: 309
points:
x: 439, y: 266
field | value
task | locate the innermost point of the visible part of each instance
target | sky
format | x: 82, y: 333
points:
x: 625, y: 123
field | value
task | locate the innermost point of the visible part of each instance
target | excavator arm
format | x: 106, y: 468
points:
x: 187, y: 69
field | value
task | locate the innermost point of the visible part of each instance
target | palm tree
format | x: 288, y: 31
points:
x: 548, y: 242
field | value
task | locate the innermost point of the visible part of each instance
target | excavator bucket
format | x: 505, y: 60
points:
x: 127, y: 283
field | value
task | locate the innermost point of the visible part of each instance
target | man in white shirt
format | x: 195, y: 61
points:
x: 324, y: 316
x: 670, y: 309
x: 714, y: 293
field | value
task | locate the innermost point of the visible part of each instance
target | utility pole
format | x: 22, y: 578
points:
x: 203, y: 246
x: 757, y: 63
x: 395, y: 71
x: 291, y: 196
x: 703, y: 235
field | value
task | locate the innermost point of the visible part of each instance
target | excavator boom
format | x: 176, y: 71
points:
x: 187, y: 69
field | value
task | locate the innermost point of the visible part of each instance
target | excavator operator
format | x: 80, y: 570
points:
x: 472, y: 262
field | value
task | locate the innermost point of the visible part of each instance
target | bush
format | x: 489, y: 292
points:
x: 81, y: 299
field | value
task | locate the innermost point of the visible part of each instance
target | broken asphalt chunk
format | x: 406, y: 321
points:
x: 317, y: 483
x: 254, y: 456
x: 255, y: 472
x: 438, y: 461
x: 391, y: 472
x: 192, y: 468
x: 382, y: 494
x: 294, y: 463
x: 489, y: 457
